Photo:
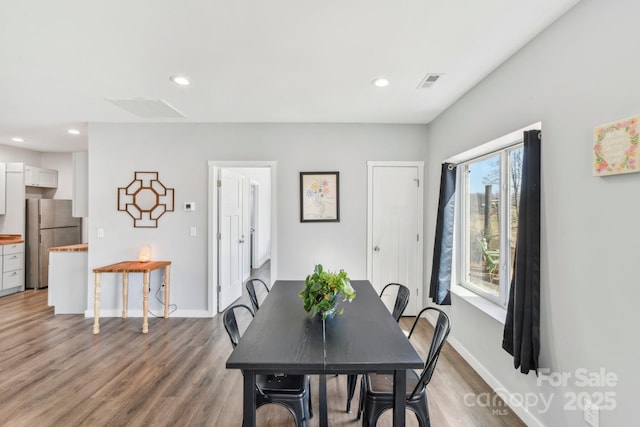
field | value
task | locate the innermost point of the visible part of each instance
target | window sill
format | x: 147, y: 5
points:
x: 481, y: 303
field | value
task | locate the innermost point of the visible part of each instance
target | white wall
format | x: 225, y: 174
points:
x: 9, y: 153
x: 180, y: 153
x: 579, y: 73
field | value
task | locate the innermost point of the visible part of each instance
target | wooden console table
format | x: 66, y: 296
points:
x: 126, y: 267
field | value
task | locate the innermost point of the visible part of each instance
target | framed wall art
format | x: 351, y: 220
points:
x: 615, y: 147
x: 319, y: 197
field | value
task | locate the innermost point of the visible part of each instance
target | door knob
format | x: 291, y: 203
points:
x: 376, y: 248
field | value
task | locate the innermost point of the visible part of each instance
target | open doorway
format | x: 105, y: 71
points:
x: 254, y: 226
x: 242, y: 228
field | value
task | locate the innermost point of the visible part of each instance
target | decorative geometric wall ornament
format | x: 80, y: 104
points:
x: 145, y: 199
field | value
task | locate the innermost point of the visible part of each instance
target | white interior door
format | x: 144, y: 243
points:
x: 395, y: 230
x: 230, y: 241
x: 253, y: 227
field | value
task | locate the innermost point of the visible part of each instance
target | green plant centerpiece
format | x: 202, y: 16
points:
x: 322, y: 290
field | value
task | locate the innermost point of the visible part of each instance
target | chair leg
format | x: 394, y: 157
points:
x: 421, y: 409
x: 351, y: 388
x: 309, y: 397
x: 361, y: 402
x: 298, y: 411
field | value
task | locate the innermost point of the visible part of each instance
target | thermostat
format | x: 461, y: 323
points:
x: 189, y: 206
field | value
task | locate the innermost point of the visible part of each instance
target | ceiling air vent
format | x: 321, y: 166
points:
x: 147, y: 108
x: 429, y: 80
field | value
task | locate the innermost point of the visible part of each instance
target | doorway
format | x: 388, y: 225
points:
x: 394, y: 228
x: 254, y: 226
x: 230, y: 219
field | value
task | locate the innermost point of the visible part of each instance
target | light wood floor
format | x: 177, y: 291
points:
x: 55, y: 372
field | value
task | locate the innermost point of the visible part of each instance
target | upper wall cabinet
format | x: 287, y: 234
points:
x: 3, y: 188
x: 38, y: 177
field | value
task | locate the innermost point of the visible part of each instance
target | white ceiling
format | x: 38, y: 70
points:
x: 249, y: 61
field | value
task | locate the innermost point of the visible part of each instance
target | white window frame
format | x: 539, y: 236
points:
x: 504, y: 269
x: 502, y: 145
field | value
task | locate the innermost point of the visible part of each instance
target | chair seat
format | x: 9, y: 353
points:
x: 381, y: 385
x: 283, y: 384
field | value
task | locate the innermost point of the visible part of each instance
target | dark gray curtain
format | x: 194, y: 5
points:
x: 521, y: 336
x: 443, y: 247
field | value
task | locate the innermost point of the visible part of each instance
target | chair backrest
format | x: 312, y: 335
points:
x: 251, y: 289
x: 440, y: 332
x: 402, y: 299
x: 231, y: 323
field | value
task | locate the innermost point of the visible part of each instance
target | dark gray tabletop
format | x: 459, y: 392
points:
x: 284, y: 338
x: 366, y: 338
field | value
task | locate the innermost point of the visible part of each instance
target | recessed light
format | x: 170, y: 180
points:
x: 17, y: 139
x: 380, y: 82
x: 180, y: 80
x: 73, y: 131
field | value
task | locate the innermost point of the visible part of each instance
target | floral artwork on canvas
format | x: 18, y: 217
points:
x: 615, y: 147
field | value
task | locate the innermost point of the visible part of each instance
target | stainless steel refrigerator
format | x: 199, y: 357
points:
x: 49, y: 224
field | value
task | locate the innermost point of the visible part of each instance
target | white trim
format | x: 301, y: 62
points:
x: 212, y: 281
x: 481, y: 303
x: 522, y: 412
x: 494, y: 145
x: 420, y: 258
x: 138, y: 313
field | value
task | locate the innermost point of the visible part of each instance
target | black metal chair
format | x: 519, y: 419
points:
x: 289, y: 391
x: 378, y: 388
x: 251, y: 289
x: 402, y: 299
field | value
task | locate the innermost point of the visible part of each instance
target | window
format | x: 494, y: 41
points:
x: 489, y: 187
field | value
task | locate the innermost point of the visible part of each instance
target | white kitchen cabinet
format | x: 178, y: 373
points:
x: 12, y: 266
x: 39, y: 177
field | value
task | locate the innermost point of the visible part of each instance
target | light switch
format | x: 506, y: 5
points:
x: 193, y: 232
x: 100, y: 232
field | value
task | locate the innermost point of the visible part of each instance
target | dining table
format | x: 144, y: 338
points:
x: 284, y: 339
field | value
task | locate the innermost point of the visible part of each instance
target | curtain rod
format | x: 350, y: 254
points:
x: 501, y: 143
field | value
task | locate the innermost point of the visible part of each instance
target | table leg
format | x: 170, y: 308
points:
x: 399, y: 397
x: 166, y: 292
x: 249, y: 399
x: 324, y: 418
x: 145, y: 302
x: 96, y: 303
x: 125, y: 290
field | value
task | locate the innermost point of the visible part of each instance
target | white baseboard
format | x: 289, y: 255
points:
x: 138, y: 313
x: 261, y: 262
x: 522, y: 412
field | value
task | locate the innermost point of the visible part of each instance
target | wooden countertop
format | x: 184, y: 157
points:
x: 10, y: 239
x: 132, y: 267
x: 82, y: 247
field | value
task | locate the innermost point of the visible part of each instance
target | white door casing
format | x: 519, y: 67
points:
x: 213, y: 306
x: 394, y: 234
x: 230, y: 242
